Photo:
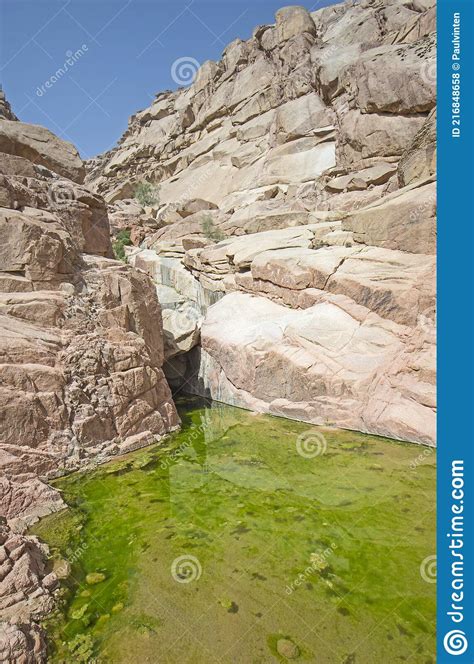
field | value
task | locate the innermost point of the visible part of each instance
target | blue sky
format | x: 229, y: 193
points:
x: 122, y: 54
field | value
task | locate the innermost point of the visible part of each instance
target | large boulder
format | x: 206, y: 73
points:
x: 333, y: 363
x: 394, y: 284
x: 293, y: 21
x: 41, y: 146
x: 405, y: 87
x: 364, y: 135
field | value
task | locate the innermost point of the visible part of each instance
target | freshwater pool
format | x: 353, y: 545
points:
x: 252, y: 539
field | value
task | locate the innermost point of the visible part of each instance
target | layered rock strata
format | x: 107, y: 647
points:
x: 293, y: 243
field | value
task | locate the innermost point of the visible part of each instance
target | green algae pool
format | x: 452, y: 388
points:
x: 248, y: 538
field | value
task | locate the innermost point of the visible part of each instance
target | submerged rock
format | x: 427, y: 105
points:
x: 95, y: 577
x: 287, y: 649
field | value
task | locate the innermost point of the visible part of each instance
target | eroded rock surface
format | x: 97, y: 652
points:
x: 81, y: 356
x: 343, y: 364
x: 313, y: 145
x: 82, y: 345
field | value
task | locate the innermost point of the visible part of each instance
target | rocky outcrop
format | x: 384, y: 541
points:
x: 306, y: 285
x: 404, y: 220
x: 81, y: 357
x: 6, y: 112
x: 22, y: 643
x: 40, y: 146
x: 26, y: 583
x: 343, y: 364
x: 278, y: 108
x: 81, y: 345
x: 326, y: 333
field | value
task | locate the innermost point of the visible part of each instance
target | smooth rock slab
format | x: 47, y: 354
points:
x: 328, y: 364
x: 404, y: 220
x: 393, y: 284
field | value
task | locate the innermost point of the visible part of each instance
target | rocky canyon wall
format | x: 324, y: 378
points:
x: 293, y: 245
x: 81, y: 354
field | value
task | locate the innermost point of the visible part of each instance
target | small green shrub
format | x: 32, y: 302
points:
x: 210, y: 230
x: 122, y: 240
x: 146, y: 194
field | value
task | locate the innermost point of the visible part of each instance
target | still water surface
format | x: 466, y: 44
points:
x: 251, y: 539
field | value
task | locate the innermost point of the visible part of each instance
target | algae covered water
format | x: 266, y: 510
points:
x: 248, y: 538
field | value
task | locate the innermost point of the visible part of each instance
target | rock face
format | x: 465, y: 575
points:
x: 6, y: 112
x: 305, y: 282
x: 40, y: 146
x: 291, y: 244
x: 82, y: 345
x: 343, y: 364
x: 22, y: 643
x: 279, y: 108
x: 81, y: 356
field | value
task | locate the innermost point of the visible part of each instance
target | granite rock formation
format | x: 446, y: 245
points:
x: 81, y: 356
x: 293, y: 243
